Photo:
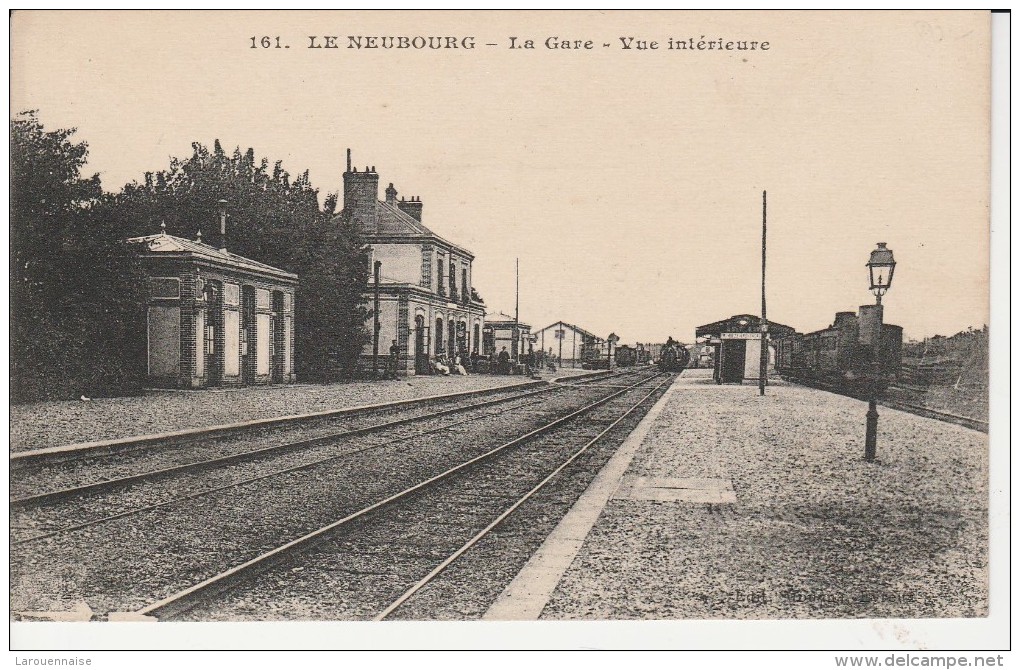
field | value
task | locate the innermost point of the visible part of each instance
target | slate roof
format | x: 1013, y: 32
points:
x: 163, y: 243
x: 391, y: 222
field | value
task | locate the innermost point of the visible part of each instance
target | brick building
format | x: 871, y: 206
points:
x: 426, y: 302
x: 215, y: 318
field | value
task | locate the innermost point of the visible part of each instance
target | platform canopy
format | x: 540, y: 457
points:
x: 742, y: 323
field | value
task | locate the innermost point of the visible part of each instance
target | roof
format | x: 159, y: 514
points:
x: 751, y: 324
x: 504, y: 320
x: 163, y: 243
x: 393, y: 224
x: 573, y: 327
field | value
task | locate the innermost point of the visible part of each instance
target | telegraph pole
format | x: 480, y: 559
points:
x: 764, y: 360
x: 517, y: 308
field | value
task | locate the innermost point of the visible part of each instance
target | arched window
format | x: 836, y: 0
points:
x: 439, y: 336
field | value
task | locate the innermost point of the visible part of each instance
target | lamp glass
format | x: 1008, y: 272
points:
x: 881, y: 267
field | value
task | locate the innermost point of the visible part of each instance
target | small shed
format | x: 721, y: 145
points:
x: 737, y: 344
x: 504, y: 331
x: 215, y: 318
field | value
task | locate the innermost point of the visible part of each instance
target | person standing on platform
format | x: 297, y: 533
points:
x: 504, y: 362
x: 391, y: 364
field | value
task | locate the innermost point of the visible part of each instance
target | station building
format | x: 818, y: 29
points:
x: 426, y: 300
x: 566, y: 343
x: 215, y: 318
x: 737, y: 346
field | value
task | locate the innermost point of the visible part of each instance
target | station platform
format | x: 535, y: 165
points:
x: 724, y: 504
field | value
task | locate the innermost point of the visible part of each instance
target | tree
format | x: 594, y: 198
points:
x: 76, y: 288
x: 273, y: 219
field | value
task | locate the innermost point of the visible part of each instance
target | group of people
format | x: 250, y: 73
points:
x: 441, y: 365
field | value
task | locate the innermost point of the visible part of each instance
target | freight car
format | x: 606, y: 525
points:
x: 839, y: 357
x: 625, y: 356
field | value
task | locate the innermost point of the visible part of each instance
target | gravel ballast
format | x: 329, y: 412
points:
x: 49, y: 424
x: 815, y: 531
x: 125, y: 564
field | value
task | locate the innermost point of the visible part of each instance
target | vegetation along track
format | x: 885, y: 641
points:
x: 373, y: 562
x: 128, y: 561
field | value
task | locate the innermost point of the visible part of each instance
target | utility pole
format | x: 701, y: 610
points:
x: 376, y: 325
x: 763, y: 367
x: 517, y: 308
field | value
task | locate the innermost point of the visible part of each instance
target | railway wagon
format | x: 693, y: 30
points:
x: 837, y: 356
x: 626, y: 356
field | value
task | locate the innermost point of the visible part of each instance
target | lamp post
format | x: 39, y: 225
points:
x: 881, y: 266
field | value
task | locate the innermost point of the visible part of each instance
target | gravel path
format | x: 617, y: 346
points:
x: 815, y: 531
x: 49, y: 424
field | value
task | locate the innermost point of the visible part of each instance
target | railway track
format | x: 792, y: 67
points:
x: 893, y: 403
x: 128, y: 445
x: 965, y: 421
x: 143, y: 457
x: 102, y: 486
x: 475, y: 497
x: 121, y: 558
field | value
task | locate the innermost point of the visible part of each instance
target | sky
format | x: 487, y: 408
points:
x: 628, y: 182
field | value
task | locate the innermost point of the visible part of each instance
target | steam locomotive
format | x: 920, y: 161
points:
x: 674, y: 357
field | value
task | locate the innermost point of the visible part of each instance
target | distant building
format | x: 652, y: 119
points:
x: 499, y: 332
x: 566, y: 343
x: 426, y: 298
x: 215, y: 318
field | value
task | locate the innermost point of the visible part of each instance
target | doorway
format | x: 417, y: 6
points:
x: 733, y: 355
x: 277, y: 342
x: 421, y: 354
x: 248, y: 341
x: 213, y: 340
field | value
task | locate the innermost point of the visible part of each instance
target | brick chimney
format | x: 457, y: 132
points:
x: 361, y: 192
x: 411, y: 207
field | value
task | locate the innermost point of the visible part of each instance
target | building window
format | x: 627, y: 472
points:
x: 464, y: 285
x: 489, y: 341
x: 426, y: 266
x: 441, y: 285
x: 439, y: 337
x: 453, y: 279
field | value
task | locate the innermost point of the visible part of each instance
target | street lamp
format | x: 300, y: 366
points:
x: 880, y: 273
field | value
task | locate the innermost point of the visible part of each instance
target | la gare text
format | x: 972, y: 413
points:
x: 421, y: 43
